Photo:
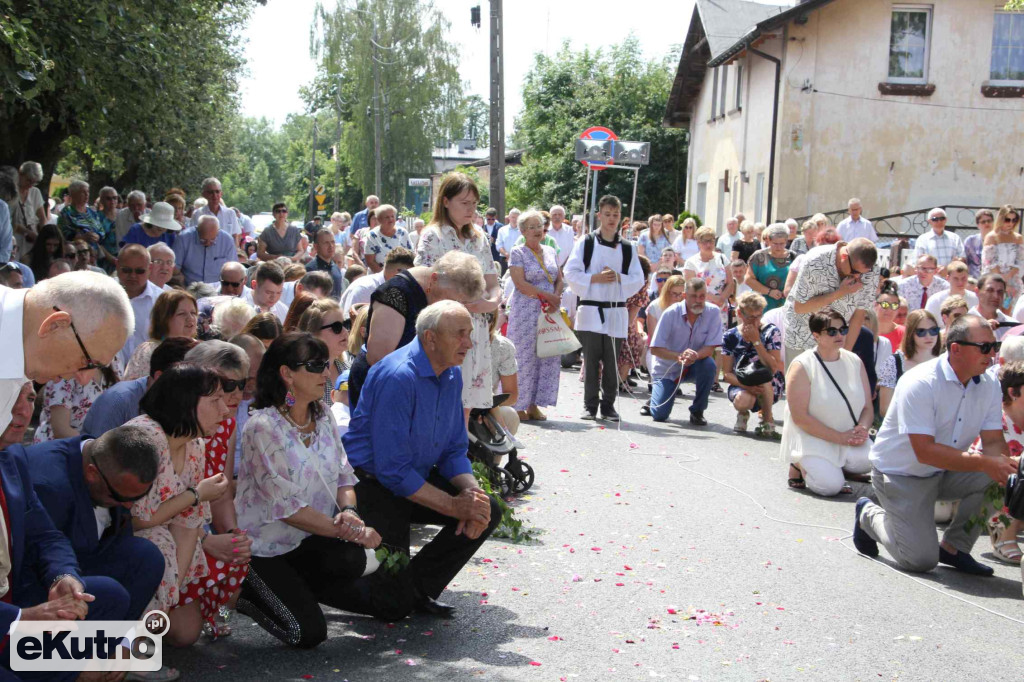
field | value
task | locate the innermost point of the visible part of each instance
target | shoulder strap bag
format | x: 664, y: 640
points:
x: 836, y: 384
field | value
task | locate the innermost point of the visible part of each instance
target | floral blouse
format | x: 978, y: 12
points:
x: 279, y: 475
x: 380, y: 246
x: 72, y: 395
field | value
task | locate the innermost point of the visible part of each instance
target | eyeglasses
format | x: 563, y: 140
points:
x: 232, y: 385
x: 886, y: 305
x: 838, y: 331
x: 84, y: 252
x: 117, y: 497
x: 89, y: 362
x: 985, y: 348
x: 927, y: 270
x: 313, y: 366
x: 225, y: 283
x: 137, y: 271
x: 985, y: 221
x: 161, y: 261
x: 921, y: 333
x: 938, y: 219
x: 338, y: 327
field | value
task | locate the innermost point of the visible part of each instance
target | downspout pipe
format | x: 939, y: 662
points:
x: 775, y: 126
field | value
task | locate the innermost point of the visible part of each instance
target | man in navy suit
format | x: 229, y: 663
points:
x: 87, y: 487
x: 34, y: 550
x: 491, y: 227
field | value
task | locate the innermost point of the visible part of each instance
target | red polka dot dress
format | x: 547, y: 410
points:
x: 223, y: 580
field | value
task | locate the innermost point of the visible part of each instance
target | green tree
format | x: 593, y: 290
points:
x: 420, y: 91
x: 476, y: 114
x: 135, y: 93
x: 570, y: 91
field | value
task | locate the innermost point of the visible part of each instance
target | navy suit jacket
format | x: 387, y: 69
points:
x: 492, y: 234
x: 39, y: 552
x: 57, y: 477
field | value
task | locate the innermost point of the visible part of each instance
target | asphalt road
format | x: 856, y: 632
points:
x: 665, y: 551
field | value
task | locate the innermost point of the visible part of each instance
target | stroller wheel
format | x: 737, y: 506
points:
x: 522, y: 477
x: 507, y: 483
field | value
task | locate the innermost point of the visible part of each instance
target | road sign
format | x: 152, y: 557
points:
x: 322, y: 212
x: 597, y: 133
x: 320, y: 199
x: 419, y: 182
x: 320, y: 189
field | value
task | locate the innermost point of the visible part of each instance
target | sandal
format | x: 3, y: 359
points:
x: 1012, y: 555
x: 796, y: 482
x: 847, y: 489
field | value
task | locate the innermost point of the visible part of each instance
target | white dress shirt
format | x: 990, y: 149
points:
x: 142, y: 306
x: 12, y: 360
x: 565, y: 239
x: 588, y: 317
x: 279, y: 309
x: 1001, y: 316
x: 849, y: 229
x: 507, y: 237
x: 360, y: 290
x: 226, y: 217
x: 935, y: 301
x: 930, y: 400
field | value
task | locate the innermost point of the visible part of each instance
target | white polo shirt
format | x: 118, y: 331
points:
x: 279, y: 309
x: 12, y: 359
x: 930, y: 400
x: 1001, y: 317
x: 226, y: 217
x: 565, y: 239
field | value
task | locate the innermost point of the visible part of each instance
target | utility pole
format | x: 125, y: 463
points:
x: 376, y: 114
x: 312, y: 174
x: 497, y: 110
x: 337, y: 162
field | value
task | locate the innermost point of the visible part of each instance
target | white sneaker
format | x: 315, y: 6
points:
x: 741, y: 421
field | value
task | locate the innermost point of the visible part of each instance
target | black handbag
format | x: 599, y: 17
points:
x: 753, y: 374
x: 1014, y: 500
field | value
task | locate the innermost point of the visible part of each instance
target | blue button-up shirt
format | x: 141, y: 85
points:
x: 674, y: 333
x: 409, y: 420
x: 115, y: 407
x: 331, y: 269
x: 359, y: 221
x: 202, y: 263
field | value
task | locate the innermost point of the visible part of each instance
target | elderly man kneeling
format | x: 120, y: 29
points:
x: 409, y: 420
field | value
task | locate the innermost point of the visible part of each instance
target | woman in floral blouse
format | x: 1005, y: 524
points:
x: 296, y: 500
x: 67, y: 401
x: 456, y: 206
x: 182, y: 407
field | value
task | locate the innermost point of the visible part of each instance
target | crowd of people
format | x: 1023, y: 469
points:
x: 232, y: 419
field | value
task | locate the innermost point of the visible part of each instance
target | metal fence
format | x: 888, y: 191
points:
x: 960, y: 219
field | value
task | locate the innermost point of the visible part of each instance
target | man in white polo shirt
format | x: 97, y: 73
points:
x: 226, y: 217
x: 920, y: 456
x: 133, y: 273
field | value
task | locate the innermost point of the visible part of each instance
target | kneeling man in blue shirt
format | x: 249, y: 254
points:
x: 407, y: 442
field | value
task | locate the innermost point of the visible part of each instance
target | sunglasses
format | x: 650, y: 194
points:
x: 225, y: 283
x: 84, y: 252
x: 338, y: 327
x: 1013, y: 220
x: 886, y: 305
x: 313, y: 366
x: 116, y: 496
x: 838, y: 331
x: 89, y: 362
x: 938, y: 219
x: 986, y: 347
x: 137, y: 271
x: 9, y: 267
x: 661, y: 280
x: 232, y: 385
x: 921, y: 333
x: 281, y: 210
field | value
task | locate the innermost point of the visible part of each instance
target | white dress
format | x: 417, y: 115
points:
x: 476, y: 368
x: 827, y: 406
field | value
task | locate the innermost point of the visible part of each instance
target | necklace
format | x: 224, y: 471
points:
x: 288, y: 417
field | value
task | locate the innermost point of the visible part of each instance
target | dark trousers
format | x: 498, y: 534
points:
x: 283, y: 593
x: 442, y: 558
x: 136, y: 563
x: 599, y: 348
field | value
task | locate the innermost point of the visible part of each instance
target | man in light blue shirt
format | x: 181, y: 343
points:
x: 201, y: 251
x: 920, y: 456
x: 684, y: 341
x: 732, y: 233
x: 360, y: 220
x: 410, y: 420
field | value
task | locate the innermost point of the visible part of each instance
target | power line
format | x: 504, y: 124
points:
x: 916, y: 104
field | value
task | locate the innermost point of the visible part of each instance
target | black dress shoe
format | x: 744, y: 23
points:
x: 962, y: 561
x: 697, y: 419
x: 435, y: 608
x: 610, y: 414
x: 588, y: 415
x: 645, y: 410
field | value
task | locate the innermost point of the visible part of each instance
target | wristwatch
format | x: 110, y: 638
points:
x: 61, y: 577
x: 350, y: 508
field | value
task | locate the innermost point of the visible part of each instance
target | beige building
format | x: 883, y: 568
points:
x: 904, y: 105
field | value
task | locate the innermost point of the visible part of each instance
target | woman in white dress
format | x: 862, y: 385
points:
x: 830, y: 411
x: 456, y: 205
x: 1003, y: 254
x: 685, y: 245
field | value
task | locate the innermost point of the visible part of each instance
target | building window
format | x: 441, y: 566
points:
x: 714, y: 93
x: 759, y: 198
x: 702, y: 200
x: 1008, y: 48
x: 908, y: 44
x: 725, y: 89
x: 739, y: 88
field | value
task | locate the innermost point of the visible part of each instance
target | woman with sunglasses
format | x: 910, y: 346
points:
x: 324, y: 320
x: 887, y: 303
x: 182, y: 407
x: 280, y: 238
x: 296, y: 499
x: 685, y: 245
x: 174, y: 314
x: 922, y: 341
x: 1003, y: 253
x: 673, y: 290
x: 227, y: 548
x: 830, y: 411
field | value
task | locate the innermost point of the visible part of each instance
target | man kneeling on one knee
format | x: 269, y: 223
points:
x: 684, y: 342
x: 920, y: 455
x: 408, y: 442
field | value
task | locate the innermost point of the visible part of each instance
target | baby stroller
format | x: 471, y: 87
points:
x: 489, y: 442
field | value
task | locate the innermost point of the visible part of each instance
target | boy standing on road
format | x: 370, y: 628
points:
x: 604, y: 271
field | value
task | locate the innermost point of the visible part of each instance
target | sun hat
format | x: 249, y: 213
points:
x: 162, y: 215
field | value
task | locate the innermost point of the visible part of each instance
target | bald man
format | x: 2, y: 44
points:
x: 133, y: 263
